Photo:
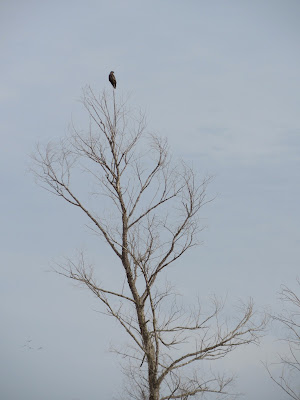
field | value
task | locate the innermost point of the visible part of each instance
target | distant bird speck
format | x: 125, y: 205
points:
x: 112, y: 79
x: 28, y: 345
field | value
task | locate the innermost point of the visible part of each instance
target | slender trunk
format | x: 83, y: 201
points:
x: 154, y: 393
x: 148, y: 345
x: 152, y: 372
x: 150, y: 355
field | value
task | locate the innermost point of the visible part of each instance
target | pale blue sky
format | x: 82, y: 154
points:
x: 219, y: 79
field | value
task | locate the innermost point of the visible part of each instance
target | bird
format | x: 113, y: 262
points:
x: 112, y: 79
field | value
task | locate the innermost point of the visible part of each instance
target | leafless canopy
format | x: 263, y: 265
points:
x: 289, y: 378
x: 149, y: 219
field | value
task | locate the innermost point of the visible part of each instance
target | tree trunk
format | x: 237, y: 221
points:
x: 154, y: 393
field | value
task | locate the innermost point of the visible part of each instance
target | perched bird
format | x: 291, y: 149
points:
x: 112, y: 79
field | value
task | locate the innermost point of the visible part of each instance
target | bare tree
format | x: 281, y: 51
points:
x: 149, y: 218
x: 289, y: 378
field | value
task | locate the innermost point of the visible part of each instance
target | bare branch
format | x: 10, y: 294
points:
x: 288, y: 379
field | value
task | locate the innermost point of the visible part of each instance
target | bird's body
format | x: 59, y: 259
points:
x: 112, y: 79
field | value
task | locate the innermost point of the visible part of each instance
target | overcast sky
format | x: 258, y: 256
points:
x: 220, y: 80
